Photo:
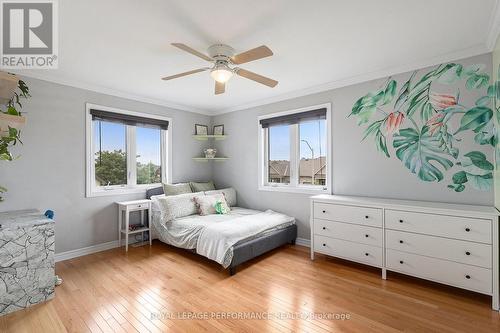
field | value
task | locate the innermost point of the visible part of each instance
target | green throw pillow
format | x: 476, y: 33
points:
x: 202, y: 187
x: 175, y: 189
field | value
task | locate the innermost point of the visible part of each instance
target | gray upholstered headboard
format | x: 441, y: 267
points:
x: 154, y: 191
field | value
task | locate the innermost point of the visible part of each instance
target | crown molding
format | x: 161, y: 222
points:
x: 494, y: 27
x: 478, y: 49
x: 109, y: 91
x: 389, y: 71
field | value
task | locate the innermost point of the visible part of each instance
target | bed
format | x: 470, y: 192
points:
x: 200, y: 233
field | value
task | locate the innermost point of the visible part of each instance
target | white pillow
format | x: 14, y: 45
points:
x: 229, y: 193
x: 206, y: 204
x: 175, y: 206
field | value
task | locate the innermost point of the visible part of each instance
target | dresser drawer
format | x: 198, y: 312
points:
x: 348, y: 214
x: 476, y: 230
x: 351, y: 232
x: 443, y: 248
x: 370, y: 255
x: 464, y: 276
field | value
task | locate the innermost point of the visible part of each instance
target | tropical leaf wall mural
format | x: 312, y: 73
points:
x: 425, y: 129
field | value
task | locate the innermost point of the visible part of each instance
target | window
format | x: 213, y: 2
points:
x: 127, y: 152
x: 294, y: 150
x: 278, y: 159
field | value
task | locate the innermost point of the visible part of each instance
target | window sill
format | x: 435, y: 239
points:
x: 121, y: 191
x: 286, y: 189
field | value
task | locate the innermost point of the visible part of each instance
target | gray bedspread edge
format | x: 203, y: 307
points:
x: 248, y: 250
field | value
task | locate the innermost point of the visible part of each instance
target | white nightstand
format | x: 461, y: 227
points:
x: 124, y: 208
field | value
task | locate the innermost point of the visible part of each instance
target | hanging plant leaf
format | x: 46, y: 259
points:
x: 381, y: 143
x: 417, y: 151
x: 459, y: 177
x: 426, y: 112
x: 446, y: 141
x: 404, y: 92
x: 451, y: 75
x: 479, y: 160
x: 481, y: 182
x: 372, y: 129
x: 389, y: 92
x: 366, y: 113
x: 12, y: 111
x: 477, y: 81
x: 472, y: 69
x: 474, y: 118
x: 487, y: 135
x: 483, y: 101
x: 417, y: 101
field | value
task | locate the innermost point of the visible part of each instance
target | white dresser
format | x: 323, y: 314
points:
x: 447, y: 243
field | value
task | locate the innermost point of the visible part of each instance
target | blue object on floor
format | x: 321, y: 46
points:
x: 49, y: 214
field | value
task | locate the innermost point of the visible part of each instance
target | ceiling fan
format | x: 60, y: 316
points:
x: 223, y: 58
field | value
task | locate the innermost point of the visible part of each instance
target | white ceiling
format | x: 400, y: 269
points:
x: 122, y: 47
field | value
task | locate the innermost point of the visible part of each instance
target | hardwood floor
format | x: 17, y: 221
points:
x: 156, y: 289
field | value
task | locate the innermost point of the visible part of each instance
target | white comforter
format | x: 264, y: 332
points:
x: 216, y: 240
x: 214, y: 236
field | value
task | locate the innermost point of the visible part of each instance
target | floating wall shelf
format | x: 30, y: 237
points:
x: 210, y: 136
x: 204, y: 159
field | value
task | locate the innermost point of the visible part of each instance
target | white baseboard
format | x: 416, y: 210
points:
x: 303, y: 242
x: 111, y: 245
x: 85, y: 250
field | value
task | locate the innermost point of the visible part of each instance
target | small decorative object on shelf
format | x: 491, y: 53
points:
x: 218, y: 130
x: 210, y: 152
x: 200, y: 129
x: 133, y: 227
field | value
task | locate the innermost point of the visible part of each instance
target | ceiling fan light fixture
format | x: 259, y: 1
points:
x: 221, y: 73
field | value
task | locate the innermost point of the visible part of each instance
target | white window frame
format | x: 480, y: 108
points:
x: 131, y: 187
x: 293, y: 186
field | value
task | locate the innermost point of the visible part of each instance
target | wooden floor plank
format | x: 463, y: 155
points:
x: 156, y: 289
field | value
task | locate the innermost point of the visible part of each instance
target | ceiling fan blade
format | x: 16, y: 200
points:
x: 220, y: 88
x: 251, y: 55
x: 256, y: 77
x: 192, y: 51
x: 185, y: 73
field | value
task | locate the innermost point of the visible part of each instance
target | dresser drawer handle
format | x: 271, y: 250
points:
x: 324, y: 211
x: 324, y: 244
x: 400, y: 221
x: 467, y: 277
x: 367, y: 254
x: 467, y: 229
x: 366, y: 235
x: 467, y: 253
x: 401, y: 242
x: 366, y: 216
x: 324, y: 228
x: 139, y: 206
x: 401, y: 262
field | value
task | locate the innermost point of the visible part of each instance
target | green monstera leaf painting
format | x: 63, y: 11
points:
x: 425, y: 129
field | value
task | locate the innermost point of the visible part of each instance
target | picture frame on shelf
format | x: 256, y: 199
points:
x: 218, y: 130
x: 200, y: 129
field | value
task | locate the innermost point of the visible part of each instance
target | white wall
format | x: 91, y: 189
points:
x: 358, y: 169
x: 50, y: 173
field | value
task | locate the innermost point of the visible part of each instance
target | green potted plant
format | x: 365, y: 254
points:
x: 11, y: 120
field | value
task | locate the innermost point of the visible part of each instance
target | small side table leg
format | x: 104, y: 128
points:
x: 119, y: 227
x: 150, y: 226
x: 126, y: 229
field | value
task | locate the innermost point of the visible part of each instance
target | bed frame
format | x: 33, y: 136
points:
x: 248, y: 250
